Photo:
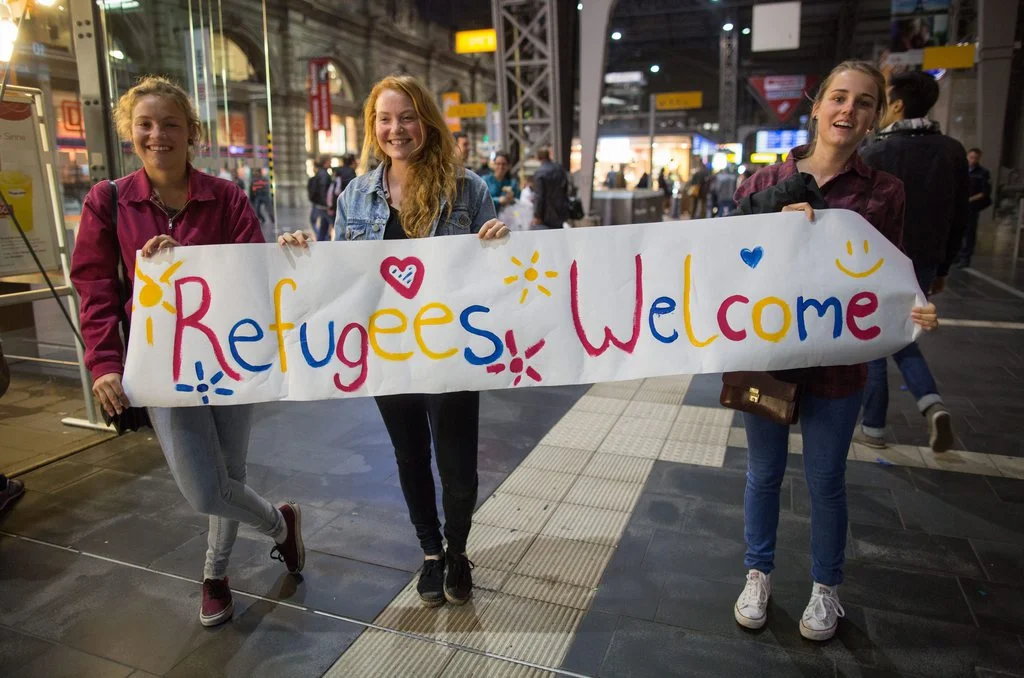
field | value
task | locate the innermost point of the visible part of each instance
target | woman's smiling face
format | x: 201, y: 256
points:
x: 397, y: 125
x: 848, y: 110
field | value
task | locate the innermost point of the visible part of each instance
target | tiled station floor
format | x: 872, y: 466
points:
x: 607, y: 542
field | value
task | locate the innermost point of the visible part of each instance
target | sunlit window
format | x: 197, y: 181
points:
x: 238, y: 66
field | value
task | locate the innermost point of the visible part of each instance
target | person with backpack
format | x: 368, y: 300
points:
x: 551, y: 193
x: 343, y: 176
x: 316, y: 191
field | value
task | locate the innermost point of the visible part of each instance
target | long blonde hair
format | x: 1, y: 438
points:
x: 861, y: 67
x: 434, y: 167
x: 156, y: 85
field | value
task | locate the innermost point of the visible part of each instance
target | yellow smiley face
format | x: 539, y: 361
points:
x: 861, y: 274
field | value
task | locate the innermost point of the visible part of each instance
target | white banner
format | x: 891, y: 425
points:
x: 251, y: 323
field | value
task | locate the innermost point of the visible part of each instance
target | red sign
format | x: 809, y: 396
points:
x: 320, y: 94
x: 782, y: 94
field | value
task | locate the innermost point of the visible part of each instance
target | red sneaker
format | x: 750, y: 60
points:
x: 292, y: 552
x: 217, y: 604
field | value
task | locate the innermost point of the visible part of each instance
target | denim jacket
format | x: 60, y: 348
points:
x: 363, y: 208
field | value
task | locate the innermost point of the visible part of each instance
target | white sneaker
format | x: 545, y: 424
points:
x: 821, y: 617
x: 751, y: 608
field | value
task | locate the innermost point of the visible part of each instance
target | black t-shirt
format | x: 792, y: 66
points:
x: 394, y: 230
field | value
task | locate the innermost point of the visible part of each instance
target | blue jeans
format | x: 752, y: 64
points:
x: 321, y: 221
x: 912, y: 366
x: 827, y: 425
x: 206, y: 448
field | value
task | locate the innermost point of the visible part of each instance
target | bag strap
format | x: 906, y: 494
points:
x: 122, y: 275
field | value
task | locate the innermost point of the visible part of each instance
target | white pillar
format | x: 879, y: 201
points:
x: 594, y: 19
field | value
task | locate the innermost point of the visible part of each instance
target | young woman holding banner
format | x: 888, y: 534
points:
x: 421, y: 189
x: 827, y: 173
x: 166, y: 204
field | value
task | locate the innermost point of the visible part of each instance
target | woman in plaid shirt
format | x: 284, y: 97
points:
x: 851, y: 100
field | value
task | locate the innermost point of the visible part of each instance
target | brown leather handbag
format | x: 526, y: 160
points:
x: 762, y: 394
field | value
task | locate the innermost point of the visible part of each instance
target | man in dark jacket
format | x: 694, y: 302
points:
x: 551, y: 193
x: 316, y: 189
x: 933, y: 168
x: 980, y: 191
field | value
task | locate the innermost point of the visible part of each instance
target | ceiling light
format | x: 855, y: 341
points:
x: 46, y: 3
x: 655, y: 68
x: 727, y: 27
x: 116, y: 54
x: 616, y: 35
x: 579, y: 6
x: 746, y: 31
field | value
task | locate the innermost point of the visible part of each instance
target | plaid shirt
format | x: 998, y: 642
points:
x: 875, y: 195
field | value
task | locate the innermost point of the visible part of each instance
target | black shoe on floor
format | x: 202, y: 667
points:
x: 940, y: 428
x: 14, y: 489
x: 458, y: 583
x: 431, y: 583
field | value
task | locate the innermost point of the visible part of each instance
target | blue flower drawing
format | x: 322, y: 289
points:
x: 204, y: 388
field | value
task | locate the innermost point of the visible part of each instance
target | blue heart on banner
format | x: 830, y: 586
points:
x: 752, y: 257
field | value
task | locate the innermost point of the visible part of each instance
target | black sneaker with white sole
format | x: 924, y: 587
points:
x: 940, y: 428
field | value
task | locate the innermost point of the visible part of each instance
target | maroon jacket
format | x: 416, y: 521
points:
x: 217, y: 213
x: 875, y: 195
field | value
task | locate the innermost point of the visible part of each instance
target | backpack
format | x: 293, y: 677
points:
x: 333, y: 192
x: 312, y: 190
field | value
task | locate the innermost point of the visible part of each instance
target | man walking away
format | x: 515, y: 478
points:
x: 551, y: 198
x: 723, y: 187
x: 933, y: 168
x: 980, y: 191
x: 316, y: 191
x: 259, y: 195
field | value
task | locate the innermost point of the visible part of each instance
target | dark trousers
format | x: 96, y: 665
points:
x: 451, y: 420
x: 261, y: 202
x: 970, y: 237
x: 321, y: 221
x: 699, y: 207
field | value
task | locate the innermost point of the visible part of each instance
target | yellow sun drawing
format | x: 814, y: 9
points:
x: 530, y: 275
x: 151, y: 295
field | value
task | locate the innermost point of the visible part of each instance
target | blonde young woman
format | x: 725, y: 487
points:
x: 168, y: 203
x: 421, y: 189
x: 849, y: 104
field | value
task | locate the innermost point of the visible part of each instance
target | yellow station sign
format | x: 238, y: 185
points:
x: 470, y: 42
x: 471, y: 110
x: 677, y: 101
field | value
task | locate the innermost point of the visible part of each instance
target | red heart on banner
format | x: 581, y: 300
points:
x: 404, y: 275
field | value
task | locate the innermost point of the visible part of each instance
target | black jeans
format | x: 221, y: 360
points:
x: 970, y: 236
x: 452, y: 421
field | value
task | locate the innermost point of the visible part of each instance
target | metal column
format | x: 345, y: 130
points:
x: 728, y: 62
x: 93, y: 86
x: 593, y: 47
x: 527, y: 77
